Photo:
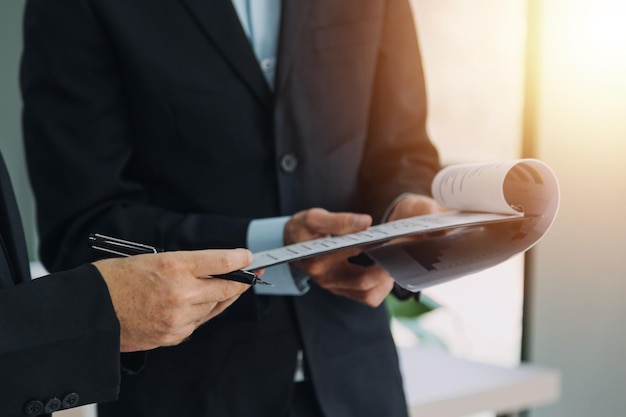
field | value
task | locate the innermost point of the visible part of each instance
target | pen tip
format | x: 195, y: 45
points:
x: 259, y: 281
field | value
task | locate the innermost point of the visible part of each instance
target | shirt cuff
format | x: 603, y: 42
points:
x: 392, y: 205
x: 265, y: 234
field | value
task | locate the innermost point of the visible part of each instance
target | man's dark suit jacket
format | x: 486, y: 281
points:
x: 155, y: 120
x: 59, y: 337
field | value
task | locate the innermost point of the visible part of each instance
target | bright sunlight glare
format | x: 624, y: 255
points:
x: 597, y: 34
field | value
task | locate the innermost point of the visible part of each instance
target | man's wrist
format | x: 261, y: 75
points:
x: 393, y: 204
x: 266, y: 234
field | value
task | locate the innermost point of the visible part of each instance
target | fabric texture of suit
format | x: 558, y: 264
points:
x: 59, y: 337
x: 155, y: 116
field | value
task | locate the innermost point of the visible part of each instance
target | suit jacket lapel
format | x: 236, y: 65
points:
x: 292, y: 24
x: 219, y: 20
x: 11, y: 230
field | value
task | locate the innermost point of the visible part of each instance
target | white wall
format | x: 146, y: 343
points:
x: 473, y: 53
x: 579, y: 271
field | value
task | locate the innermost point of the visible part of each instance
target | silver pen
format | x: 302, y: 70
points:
x: 123, y: 247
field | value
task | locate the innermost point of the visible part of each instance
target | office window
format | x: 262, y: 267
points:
x: 473, y: 53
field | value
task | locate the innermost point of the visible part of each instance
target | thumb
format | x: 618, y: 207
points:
x: 342, y: 223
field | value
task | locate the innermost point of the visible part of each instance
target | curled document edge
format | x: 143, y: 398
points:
x: 527, y: 190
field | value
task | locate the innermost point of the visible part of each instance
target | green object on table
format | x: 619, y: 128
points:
x: 410, y: 308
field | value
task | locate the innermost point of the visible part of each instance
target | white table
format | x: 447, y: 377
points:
x: 440, y: 385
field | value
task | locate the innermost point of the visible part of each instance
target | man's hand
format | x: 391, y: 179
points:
x: 414, y: 205
x: 333, y: 271
x: 160, y: 299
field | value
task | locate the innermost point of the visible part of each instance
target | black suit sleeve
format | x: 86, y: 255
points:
x: 76, y: 110
x: 399, y: 156
x: 59, y: 343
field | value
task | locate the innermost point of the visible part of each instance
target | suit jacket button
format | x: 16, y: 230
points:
x: 288, y: 163
x: 33, y: 408
x: 70, y: 400
x: 53, y: 404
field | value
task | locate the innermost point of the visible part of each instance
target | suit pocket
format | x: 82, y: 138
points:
x: 347, y: 35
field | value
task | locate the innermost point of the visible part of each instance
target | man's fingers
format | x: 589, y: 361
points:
x: 415, y: 205
x: 369, y: 287
x: 203, y: 263
x: 219, y: 308
x: 317, y: 222
x: 320, y: 265
x: 160, y: 299
x: 337, y: 223
x: 216, y: 290
x: 194, y: 271
x: 344, y: 223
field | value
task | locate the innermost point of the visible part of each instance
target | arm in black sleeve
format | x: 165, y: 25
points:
x: 82, y: 150
x: 59, y: 343
x: 399, y: 156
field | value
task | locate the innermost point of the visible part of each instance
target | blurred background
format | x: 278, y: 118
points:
x: 506, y: 79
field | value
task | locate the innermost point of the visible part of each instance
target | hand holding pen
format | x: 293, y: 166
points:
x: 123, y: 247
x: 159, y: 299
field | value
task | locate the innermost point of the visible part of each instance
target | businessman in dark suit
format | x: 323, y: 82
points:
x: 189, y: 124
x: 60, y: 335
